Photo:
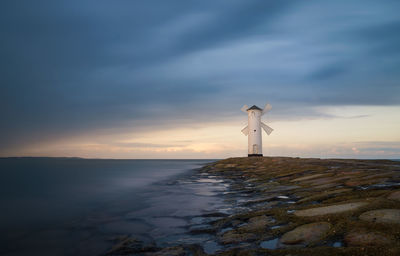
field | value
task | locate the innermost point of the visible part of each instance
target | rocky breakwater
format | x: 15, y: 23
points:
x: 295, y: 206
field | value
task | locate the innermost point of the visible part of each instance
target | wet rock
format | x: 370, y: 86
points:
x: 234, y: 237
x: 202, y: 228
x: 338, y: 208
x: 324, y: 195
x: 169, y: 251
x: 258, y: 182
x: 355, y: 183
x: 326, y: 186
x: 394, y: 196
x: 230, y: 165
x: 306, y: 234
x: 215, y: 214
x: 179, y: 250
x: 225, y: 166
x: 309, y: 177
x: 129, y: 245
x: 382, y: 216
x: 277, y: 189
x: 260, y: 200
x: 236, y: 223
x: 367, y: 238
x: 257, y: 224
x: 324, y: 181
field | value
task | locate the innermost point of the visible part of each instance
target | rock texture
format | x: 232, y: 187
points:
x: 306, y: 234
x: 256, y: 224
x: 351, y: 204
x: 234, y: 237
x: 367, y: 238
x: 390, y: 216
x: 394, y: 196
x: 330, y: 209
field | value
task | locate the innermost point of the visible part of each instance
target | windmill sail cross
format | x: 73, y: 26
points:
x: 267, y: 108
x: 266, y: 128
x: 245, y: 130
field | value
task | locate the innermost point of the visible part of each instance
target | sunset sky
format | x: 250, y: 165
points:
x: 167, y: 79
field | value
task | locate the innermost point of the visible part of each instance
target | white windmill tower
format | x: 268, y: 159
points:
x: 253, y: 129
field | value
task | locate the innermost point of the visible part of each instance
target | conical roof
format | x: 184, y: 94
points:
x: 254, y: 107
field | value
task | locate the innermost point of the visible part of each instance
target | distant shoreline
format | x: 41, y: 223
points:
x: 213, y: 159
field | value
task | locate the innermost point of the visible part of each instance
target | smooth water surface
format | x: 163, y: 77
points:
x: 68, y: 206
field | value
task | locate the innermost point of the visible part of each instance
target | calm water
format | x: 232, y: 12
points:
x: 55, y: 206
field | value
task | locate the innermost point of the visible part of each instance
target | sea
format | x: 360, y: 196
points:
x: 74, y: 206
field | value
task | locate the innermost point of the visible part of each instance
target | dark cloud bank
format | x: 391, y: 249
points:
x: 79, y: 66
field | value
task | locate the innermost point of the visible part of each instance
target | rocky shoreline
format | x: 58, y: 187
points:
x: 297, y: 206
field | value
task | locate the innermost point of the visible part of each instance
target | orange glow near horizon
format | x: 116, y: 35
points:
x: 359, y: 132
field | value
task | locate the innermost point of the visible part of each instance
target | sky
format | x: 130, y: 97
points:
x: 167, y: 79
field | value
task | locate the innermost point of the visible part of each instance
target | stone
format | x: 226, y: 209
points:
x: 169, y: 251
x: 309, y: 177
x: 326, y: 186
x: 258, y: 223
x: 324, y: 195
x: 233, y: 237
x: 202, y: 228
x: 324, y: 181
x: 355, y: 183
x: 129, y: 245
x: 306, y: 234
x: 367, y: 238
x: 230, y: 165
x: 394, y: 196
x: 338, y: 208
x: 382, y: 216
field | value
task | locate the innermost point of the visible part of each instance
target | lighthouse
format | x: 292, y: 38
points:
x: 253, y: 129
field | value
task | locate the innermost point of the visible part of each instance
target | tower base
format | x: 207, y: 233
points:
x: 250, y: 155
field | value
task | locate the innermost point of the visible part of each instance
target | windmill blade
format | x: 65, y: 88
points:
x: 266, y: 109
x: 266, y: 128
x: 244, y: 108
x: 245, y: 130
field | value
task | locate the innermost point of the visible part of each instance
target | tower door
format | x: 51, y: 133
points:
x: 255, y: 149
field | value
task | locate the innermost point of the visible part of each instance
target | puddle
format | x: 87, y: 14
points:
x: 275, y: 227
x: 337, y: 244
x: 270, y: 244
x: 210, y: 180
x: 242, y: 224
x: 206, y: 193
x: 282, y: 197
x: 225, y: 229
x: 290, y: 211
x: 210, y: 247
x: 381, y: 185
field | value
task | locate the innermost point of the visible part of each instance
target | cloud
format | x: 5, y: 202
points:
x: 329, y: 72
x: 144, y: 145
x: 79, y: 67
